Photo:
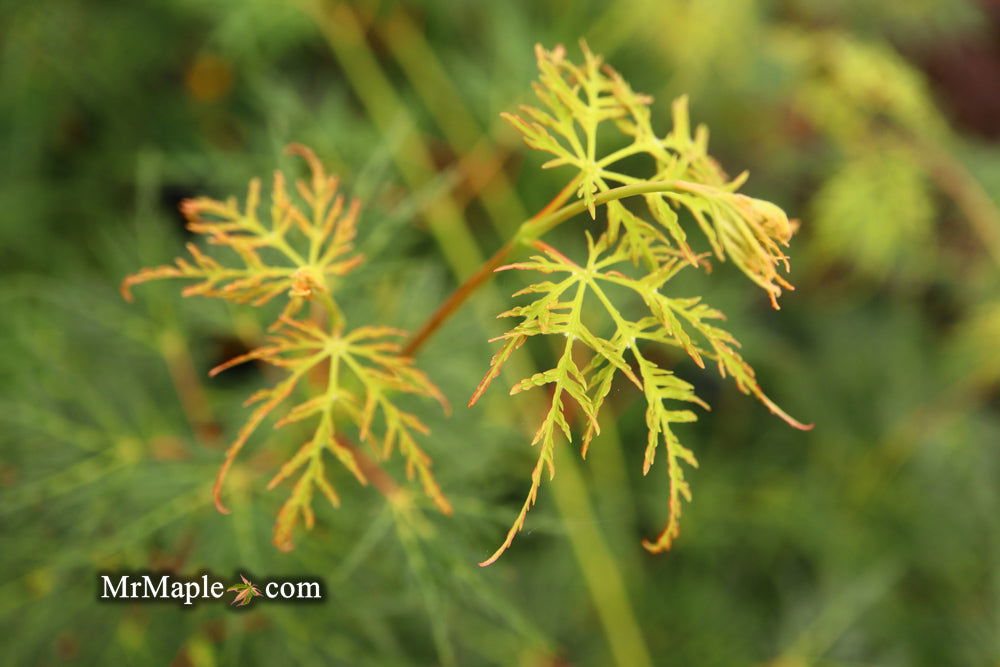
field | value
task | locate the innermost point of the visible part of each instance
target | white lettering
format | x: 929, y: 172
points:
x: 152, y: 590
x: 109, y: 589
x: 309, y: 589
x: 163, y: 587
x: 177, y: 589
x: 192, y: 589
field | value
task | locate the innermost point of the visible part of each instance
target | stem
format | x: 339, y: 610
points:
x: 539, y: 225
x: 621, y: 154
x: 967, y: 193
x: 337, y: 320
x: 174, y: 350
x: 472, y: 283
x: 379, y: 478
x: 457, y: 298
x: 345, y: 34
x: 481, y: 165
x: 597, y: 562
x: 543, y: 222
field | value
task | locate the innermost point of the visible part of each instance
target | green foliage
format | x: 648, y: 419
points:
x: 579, y: 99
x: 896, y: 228
x: 855, y: 90
x: 875, y: 210
x: 327, y: 230
x: 871, y: 540
x: 329, y: 356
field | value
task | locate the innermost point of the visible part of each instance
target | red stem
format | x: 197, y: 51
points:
x: 457, y: 298
x: 473, y: 282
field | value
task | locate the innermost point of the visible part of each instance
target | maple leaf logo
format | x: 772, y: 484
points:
x: 245, y: 592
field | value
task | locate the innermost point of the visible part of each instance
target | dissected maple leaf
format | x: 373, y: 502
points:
x: 292, y: 252
x: 363, y: 369
x: 558, y: 309
x: 585, y: 105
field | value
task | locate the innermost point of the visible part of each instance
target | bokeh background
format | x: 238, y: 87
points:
x: 872, y: 540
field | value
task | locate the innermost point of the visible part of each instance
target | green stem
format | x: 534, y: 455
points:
x: 972, y: 200
x: 603, y: 577
x: 481, y: 164
x: 346, y: 37
x: 337, y: 320
x: 536, y: 227
x: 621, y: 154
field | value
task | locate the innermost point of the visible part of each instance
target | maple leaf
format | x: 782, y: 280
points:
x: 588, y: 104
x: 558, y: 309
x: 588, y: 107
x: 245, y: 592
x: 295, y: 253
x: 365, y: 358
x: 292, y: 253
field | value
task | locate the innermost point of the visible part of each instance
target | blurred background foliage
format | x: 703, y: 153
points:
x: 872, y: 540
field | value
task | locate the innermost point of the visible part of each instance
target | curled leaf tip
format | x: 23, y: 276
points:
x: 220, y: 507
x: 125, y: 289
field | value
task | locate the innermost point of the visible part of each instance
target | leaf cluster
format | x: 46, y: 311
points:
x: 632, y: 256
x: 589, y: 105
x: 350, y: 377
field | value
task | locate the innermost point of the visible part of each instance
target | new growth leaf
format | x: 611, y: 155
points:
x: 632, y: 254
x: 346, y: 379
